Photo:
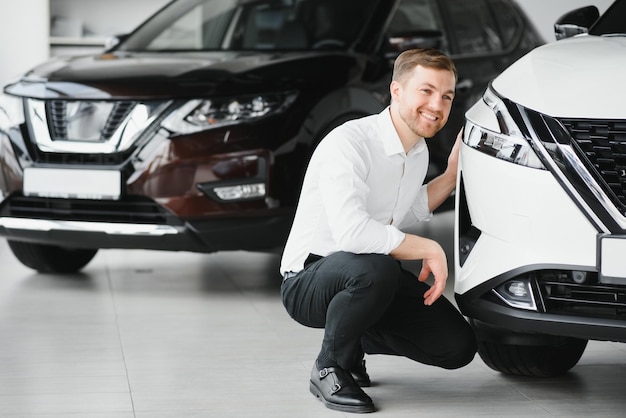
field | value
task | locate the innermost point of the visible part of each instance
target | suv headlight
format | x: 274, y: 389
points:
x: 11, y: 112
x: 509, y: 144
x: 203, y: 114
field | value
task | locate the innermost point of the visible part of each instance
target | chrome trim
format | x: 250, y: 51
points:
x: 516, y: 304
x: 135, y: 123
x: 572, y: 159
x: 80, y: 226
x: 574, y: 162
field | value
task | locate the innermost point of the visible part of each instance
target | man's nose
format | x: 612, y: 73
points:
x: 436, y: 102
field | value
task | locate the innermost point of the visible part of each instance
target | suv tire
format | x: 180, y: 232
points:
x: 532, y: 360
x: 51, y: 258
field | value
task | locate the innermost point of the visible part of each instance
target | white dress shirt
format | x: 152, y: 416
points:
x: 359, y: 190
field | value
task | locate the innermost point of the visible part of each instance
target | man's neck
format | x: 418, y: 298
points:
x: 407, y: 137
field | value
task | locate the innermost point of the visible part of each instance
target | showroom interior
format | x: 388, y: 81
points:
x: 155, y: 334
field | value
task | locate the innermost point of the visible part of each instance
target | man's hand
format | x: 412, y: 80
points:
x: 438, y: 266
x: 433, y: 261
x: 453, y: 158
x: 441, y: 186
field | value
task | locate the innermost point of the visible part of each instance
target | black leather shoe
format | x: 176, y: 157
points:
x: 336, y: 388
x: 359, y: 374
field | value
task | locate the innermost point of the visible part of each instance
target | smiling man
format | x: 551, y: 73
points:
x: 341, y: 263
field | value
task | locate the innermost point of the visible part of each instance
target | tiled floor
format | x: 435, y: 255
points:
x: 153, y: 334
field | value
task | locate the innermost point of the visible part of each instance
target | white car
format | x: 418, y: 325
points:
x: 540, y: 231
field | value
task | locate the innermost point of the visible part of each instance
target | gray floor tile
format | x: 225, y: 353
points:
x: 154, y: 335
x: 69, y: 403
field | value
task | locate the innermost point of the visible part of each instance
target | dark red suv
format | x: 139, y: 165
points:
x: 193, y: 132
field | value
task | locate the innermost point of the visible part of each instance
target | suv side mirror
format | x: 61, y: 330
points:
x: 399, y: 42
x: 576, y: 22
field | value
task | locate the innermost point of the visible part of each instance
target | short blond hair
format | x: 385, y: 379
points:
x: 428, y: 58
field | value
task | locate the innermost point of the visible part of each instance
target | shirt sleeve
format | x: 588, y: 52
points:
x: 420, y: 211
x: 344, y: 191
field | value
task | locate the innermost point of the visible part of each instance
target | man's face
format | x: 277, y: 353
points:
x: 424, y: 99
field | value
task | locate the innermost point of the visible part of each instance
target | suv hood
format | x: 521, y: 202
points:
x: 177, y: 75
x: 580, y: 77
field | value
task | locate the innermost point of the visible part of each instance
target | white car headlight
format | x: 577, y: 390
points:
x: 509, y: 144
x: 203, y: 114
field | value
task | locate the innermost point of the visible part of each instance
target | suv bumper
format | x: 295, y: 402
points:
x: 486, y: 309
x: 251, y: 234
x: 527, y: 258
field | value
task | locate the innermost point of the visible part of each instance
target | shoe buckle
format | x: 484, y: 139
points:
x: 336, y: 388
x: 323, y: 373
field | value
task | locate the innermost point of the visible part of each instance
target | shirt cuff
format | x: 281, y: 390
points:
x: 420, y: 208
x: 395, y: 238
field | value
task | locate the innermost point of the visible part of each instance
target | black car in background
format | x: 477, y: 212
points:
x: 193, y: 132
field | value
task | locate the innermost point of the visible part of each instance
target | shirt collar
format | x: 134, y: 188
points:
x: 390, y: 139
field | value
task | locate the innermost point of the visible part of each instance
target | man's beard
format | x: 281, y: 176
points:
x: 422, y: 131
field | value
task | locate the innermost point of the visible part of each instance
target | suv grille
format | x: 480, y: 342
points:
x: 81, y: 159
x: 601, y: 144
x: 58, y: 118
x: 561, y: 296
x: 137, y: 210
x: 87, y: 132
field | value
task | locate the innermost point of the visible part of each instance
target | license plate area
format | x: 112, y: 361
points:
x: 612, y: 259
x: 72, y: 183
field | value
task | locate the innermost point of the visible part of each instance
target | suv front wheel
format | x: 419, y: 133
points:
x: 525, y: 355
x: 51, y: 258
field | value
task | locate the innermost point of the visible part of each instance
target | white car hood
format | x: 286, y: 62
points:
x: 581, y: 77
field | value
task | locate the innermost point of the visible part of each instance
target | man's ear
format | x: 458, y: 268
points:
x: 395, y: 88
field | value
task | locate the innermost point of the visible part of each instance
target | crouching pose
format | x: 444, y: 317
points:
x: 341, y: 263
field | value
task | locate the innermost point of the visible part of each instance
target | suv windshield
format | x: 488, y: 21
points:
x: 229, y: 25
x: 612, y: 22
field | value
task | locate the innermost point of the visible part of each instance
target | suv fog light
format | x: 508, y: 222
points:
x: 579, y: 277
x: 517, y: 289
x: 517, y: 294
x: 241, y: 191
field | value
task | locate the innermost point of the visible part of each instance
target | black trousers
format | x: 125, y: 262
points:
x: 370, y: 303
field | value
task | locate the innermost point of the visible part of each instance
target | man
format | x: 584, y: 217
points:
x: 341, y: 261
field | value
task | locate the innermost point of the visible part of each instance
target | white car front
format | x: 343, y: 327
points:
x: 541, y: 205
